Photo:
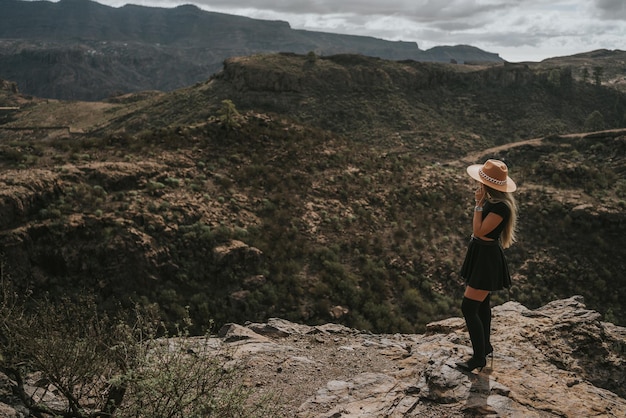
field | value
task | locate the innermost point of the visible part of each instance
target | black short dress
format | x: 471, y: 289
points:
x: 485, y: 265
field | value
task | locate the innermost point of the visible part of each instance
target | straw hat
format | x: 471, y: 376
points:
x: 494, y: 174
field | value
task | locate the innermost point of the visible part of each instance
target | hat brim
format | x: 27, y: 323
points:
x: 510, y: 185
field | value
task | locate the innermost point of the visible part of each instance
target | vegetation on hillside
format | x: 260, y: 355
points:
x: 315, y: 194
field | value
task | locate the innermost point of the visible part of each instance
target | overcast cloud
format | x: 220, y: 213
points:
x: 518, y: 30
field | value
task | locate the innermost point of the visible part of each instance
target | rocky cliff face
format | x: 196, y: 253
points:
x: 559, y: 360
x: 356, y: 73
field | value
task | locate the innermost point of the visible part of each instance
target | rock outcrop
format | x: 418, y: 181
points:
x: 558, y: 360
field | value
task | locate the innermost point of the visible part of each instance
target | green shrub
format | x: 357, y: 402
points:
x: 154, y: 186
x: 172, y: 182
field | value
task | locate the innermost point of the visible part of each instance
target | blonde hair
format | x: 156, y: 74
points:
x: 508, y: 233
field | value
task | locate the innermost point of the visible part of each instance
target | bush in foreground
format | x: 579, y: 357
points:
x: 65, y: 359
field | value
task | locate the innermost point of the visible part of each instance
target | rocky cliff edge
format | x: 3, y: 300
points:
x: 559, y: 360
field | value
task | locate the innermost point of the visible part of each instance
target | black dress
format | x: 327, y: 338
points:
x: 485, y: 266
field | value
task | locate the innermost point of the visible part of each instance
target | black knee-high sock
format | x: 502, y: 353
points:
x: 484, y: 313
x: 469, y: 308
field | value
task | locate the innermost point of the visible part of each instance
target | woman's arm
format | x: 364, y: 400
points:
x: 481, y: 227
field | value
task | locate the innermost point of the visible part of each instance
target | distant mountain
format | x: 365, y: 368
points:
x: 80, y: 49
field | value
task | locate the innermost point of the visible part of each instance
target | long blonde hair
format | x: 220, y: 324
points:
x: 508, y: 233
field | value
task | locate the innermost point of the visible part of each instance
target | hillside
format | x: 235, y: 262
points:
x: 609, y: 63
x: 317, y: 198
x: 82, y: 50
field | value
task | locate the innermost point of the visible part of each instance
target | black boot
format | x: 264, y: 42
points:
x: 469, y: 308
x: 484, y: 313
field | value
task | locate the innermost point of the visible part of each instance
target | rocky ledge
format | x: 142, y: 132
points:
x: 559, y: 360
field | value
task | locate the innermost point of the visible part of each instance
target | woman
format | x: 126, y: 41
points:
x: 485, y: 268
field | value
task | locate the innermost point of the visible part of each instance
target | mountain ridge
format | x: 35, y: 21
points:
x: 91, y: 51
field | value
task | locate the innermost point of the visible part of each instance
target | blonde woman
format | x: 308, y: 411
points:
x: 485, y: 268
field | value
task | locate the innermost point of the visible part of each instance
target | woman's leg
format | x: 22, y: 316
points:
x: 484, y: 313
x: 472, y: 300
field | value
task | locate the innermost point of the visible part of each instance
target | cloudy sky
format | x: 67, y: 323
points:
x: 518, y: 30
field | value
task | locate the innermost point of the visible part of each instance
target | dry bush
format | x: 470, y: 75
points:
x: 66, y: 359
